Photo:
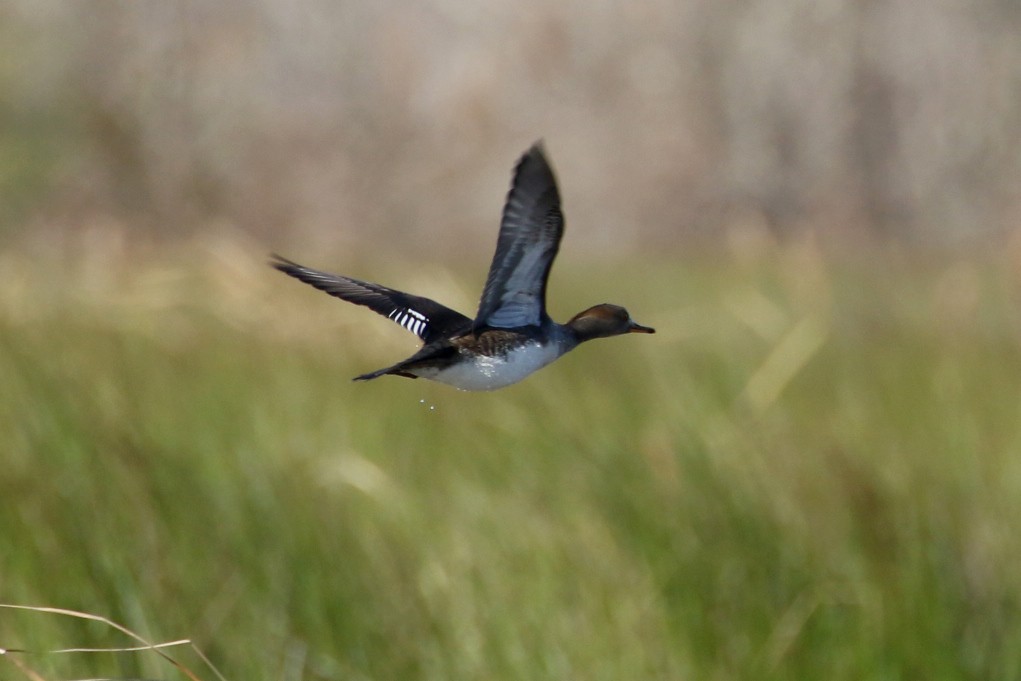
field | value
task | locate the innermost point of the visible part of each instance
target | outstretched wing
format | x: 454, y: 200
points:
x: 424, y: 317
x: 530, y: 231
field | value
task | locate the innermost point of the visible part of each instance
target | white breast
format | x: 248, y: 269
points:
x: 490, y: 373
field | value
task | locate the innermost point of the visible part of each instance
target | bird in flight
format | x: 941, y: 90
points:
x: 511, y: 335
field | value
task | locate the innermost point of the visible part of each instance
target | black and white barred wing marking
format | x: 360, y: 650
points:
x: 425, y: 318
x: 412, y: 320
x: 530, y: 231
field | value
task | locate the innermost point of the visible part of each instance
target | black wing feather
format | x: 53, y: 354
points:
x: 425, y: 318
x: 530, y: 231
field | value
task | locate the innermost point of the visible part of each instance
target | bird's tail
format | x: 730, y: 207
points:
x: 395, y: 370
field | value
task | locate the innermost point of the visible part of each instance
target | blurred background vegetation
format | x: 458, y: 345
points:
x: 811, y: 471
x: 345, y: 122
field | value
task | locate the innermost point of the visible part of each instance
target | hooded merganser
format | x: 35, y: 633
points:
x: 511, y: 336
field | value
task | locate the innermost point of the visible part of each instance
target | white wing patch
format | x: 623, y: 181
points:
x: 412, y: 320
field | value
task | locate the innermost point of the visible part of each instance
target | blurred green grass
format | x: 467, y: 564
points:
x: 812, y: 471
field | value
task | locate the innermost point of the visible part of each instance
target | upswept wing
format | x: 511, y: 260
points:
x: 530, y: 231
